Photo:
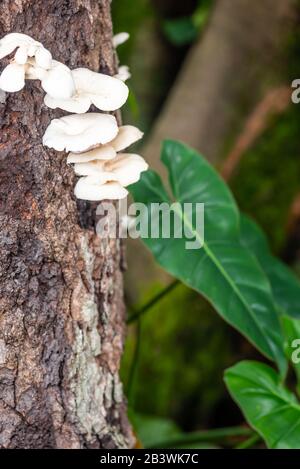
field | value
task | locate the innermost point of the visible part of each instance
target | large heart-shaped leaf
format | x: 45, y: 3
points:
x: 270, y: 409
x: 285, y: 285
x: 222, y: 270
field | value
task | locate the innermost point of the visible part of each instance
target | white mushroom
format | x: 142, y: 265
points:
x: 58, y: 81
x: 94, y: 189
x: 13, y: 40
x: 125, y: 168
x: 123, y: 73
x: 127, y: 135
x: 26, y: 47
x: 120, y: 38
x: 29, y: 54
x: 21, y: 55
x: 105, y: 92
x: 43, y: 57
x: 77, y: 104
x: 80, y: 132
x: 12, y: 78
x: 104, y: 152
x: 94, y: 168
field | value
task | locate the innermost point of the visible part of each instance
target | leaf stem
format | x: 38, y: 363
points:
x: 152, y: 302
x: 249, y: 442
x: 205, y: 436
x: 134, y: 363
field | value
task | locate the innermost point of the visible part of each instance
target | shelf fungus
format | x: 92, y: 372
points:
x: 123, y: 73
x: 105, y: 92
x: 12, y: 78
x: 80, y: 132
x: 95, y: 140
x: 106, y: 170
x: 120, y: 38
x: 108, y: 179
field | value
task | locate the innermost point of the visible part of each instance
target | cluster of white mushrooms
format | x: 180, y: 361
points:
x: 95, y: 140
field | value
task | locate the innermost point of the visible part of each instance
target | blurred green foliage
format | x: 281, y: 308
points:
x: 184, y: 30
x: 128, y: 15
x: 268, y: 176
x: 180, y: 31
x: 173, y: 380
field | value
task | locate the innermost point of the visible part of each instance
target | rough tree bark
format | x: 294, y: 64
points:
x: 61, y: 302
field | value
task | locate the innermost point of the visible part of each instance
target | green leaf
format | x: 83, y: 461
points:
x: 152, y: 430
x: 157, y: 432
x: 285, y: 285
x: 201, y: 15
x: 270, y: 409
x: 223, y: 270
x: 180, y: 31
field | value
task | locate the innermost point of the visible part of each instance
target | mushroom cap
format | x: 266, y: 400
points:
x: 127, y: 135
x: 13, y: 40
x: 94, y: 168
x: 125, y: 169
x: 26, y: 47
x: 43, y: 58
x: 105, y: 92
x: 58, y: 81
x: 120, y: 38
x: 80, y: 132
x: 91, y: 188
x: 104, y: 152
x: 13, y: 78
x: 123, y: 73
x: 78, y: 104
x: 21, y: 55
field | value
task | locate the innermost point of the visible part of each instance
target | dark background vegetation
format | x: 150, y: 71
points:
x: 175, y: 356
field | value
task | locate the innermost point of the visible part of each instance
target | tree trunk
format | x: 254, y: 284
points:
x: 225, y: 73
x: 61, y: 302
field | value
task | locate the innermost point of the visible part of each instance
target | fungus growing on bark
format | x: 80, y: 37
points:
x: 108, y: 179
x: 80, y: 132
x: 13, y: 76
x: 94, y: 188
x: 126, y: 168
x: 104, y: 152
x: 120, y: 38
x: 26, y: 47
x: 123, y: 73
x: 105, y: 92
x: 58, y: 81
x: 126, y: 136
x: 93, y: 138
x: 102, y: 165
